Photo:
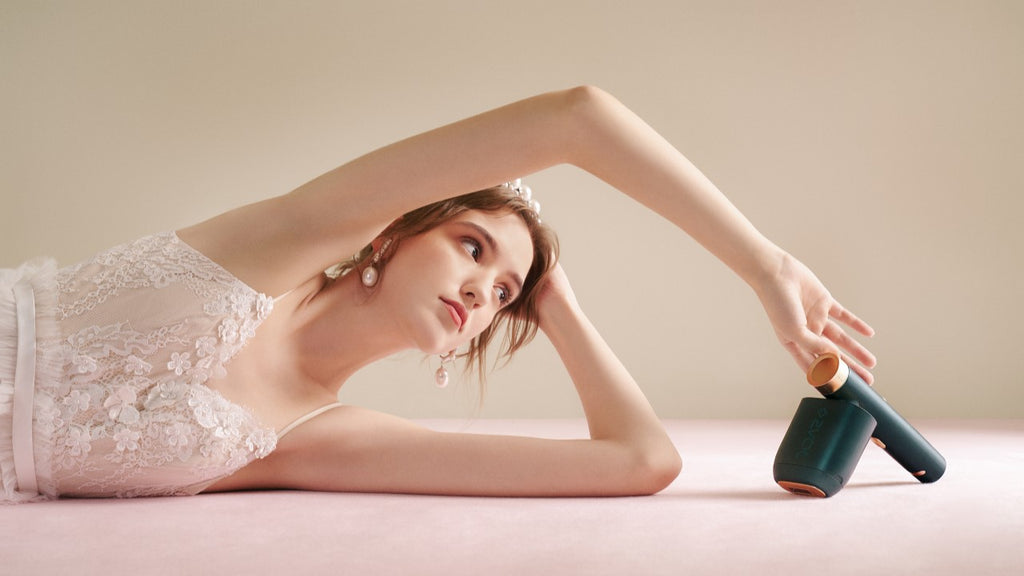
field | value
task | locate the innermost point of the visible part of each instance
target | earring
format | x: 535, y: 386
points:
x: 441, y: 376
x: 371, y: 275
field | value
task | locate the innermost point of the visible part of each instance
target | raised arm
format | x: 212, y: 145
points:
x: 293, y: 236
x: 275, y: 244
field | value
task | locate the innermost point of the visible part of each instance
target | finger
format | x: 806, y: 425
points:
x: 840, y: 313
x: 808, y: 346
x: 836, y: 334
x: 802, y: 358
x: 818, y: 314
x: 816, y: 343
x: 861, y: 371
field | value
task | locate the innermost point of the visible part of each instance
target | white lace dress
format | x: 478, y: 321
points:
x: 124, y: 346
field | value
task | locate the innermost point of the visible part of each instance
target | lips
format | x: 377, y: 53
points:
x: 457, y: 311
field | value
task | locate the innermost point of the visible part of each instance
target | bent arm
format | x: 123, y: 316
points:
x: 352, y: 449
x: 616, y: 409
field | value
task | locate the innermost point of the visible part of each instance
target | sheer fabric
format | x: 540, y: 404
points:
x: 126, y: 343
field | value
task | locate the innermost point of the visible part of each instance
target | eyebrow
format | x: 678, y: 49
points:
x: 516, y: 278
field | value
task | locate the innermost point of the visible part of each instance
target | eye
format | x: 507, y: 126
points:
x: 504, y: 296
x: 472, y: 247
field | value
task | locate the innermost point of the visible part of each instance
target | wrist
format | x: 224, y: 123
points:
x: 558, y: 312
x: 761, y: 265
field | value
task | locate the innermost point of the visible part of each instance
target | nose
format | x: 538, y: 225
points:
x: 472, y: 298
x: 475, y: 294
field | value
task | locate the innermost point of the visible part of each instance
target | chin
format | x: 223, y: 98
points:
x: 444, y: 346
x: 443, y: 341
x: 434, y: 345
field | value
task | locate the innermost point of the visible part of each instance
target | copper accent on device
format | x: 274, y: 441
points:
x: 920, y: 473
x: 878, y: 442
x: 802, y: 489
x: 828, y: 373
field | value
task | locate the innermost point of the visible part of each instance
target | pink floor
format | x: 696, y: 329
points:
x: 723, y: 515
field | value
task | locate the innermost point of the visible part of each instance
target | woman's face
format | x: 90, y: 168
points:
x: 446, y: 285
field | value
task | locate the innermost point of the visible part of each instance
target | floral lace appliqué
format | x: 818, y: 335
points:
x: 145, y: 326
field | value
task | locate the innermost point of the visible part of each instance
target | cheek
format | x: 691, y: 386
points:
x: 481, y: 322
x: 417, y: 264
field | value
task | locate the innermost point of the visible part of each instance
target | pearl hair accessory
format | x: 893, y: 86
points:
x: 441, y: 376
x: 525, y: 193
x: 371, y: 275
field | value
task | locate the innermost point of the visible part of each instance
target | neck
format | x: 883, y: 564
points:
x: 337, y: 329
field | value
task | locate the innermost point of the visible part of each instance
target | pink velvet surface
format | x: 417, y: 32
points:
x: 723, y: 515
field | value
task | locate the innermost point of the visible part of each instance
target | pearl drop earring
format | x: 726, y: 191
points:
x: 441, y: 376
x: 371, y: 275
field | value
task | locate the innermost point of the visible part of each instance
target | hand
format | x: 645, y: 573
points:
x: 808, y: 320
x: 555, y: 296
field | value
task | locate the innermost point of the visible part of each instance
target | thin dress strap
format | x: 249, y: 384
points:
x: 303, y: 419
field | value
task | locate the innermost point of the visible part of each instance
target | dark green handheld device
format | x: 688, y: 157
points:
x: 834, y: 379
x: 822, y: 446
x: 827, y: 435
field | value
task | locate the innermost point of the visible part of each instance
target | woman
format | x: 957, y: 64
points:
x: 148, y: 353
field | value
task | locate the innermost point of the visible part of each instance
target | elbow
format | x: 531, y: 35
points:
x: 652, y: 470
x: 583, y: 103
x: 660, y: 472
x: 585, y: 96
x: 586, y: 114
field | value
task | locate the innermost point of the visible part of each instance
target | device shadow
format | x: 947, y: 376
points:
x: 885, y: 484
x: 771, y: 495
x: 732, y: 495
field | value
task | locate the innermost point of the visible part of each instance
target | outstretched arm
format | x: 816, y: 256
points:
x: 617, y: 146
x: 275, y: 244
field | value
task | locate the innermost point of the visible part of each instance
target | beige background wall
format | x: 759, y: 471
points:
x: 881, y: 142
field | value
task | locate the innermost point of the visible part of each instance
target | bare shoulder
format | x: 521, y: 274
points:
x: 275, y: 244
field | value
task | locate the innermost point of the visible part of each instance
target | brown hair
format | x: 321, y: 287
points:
x: 520, y: 317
